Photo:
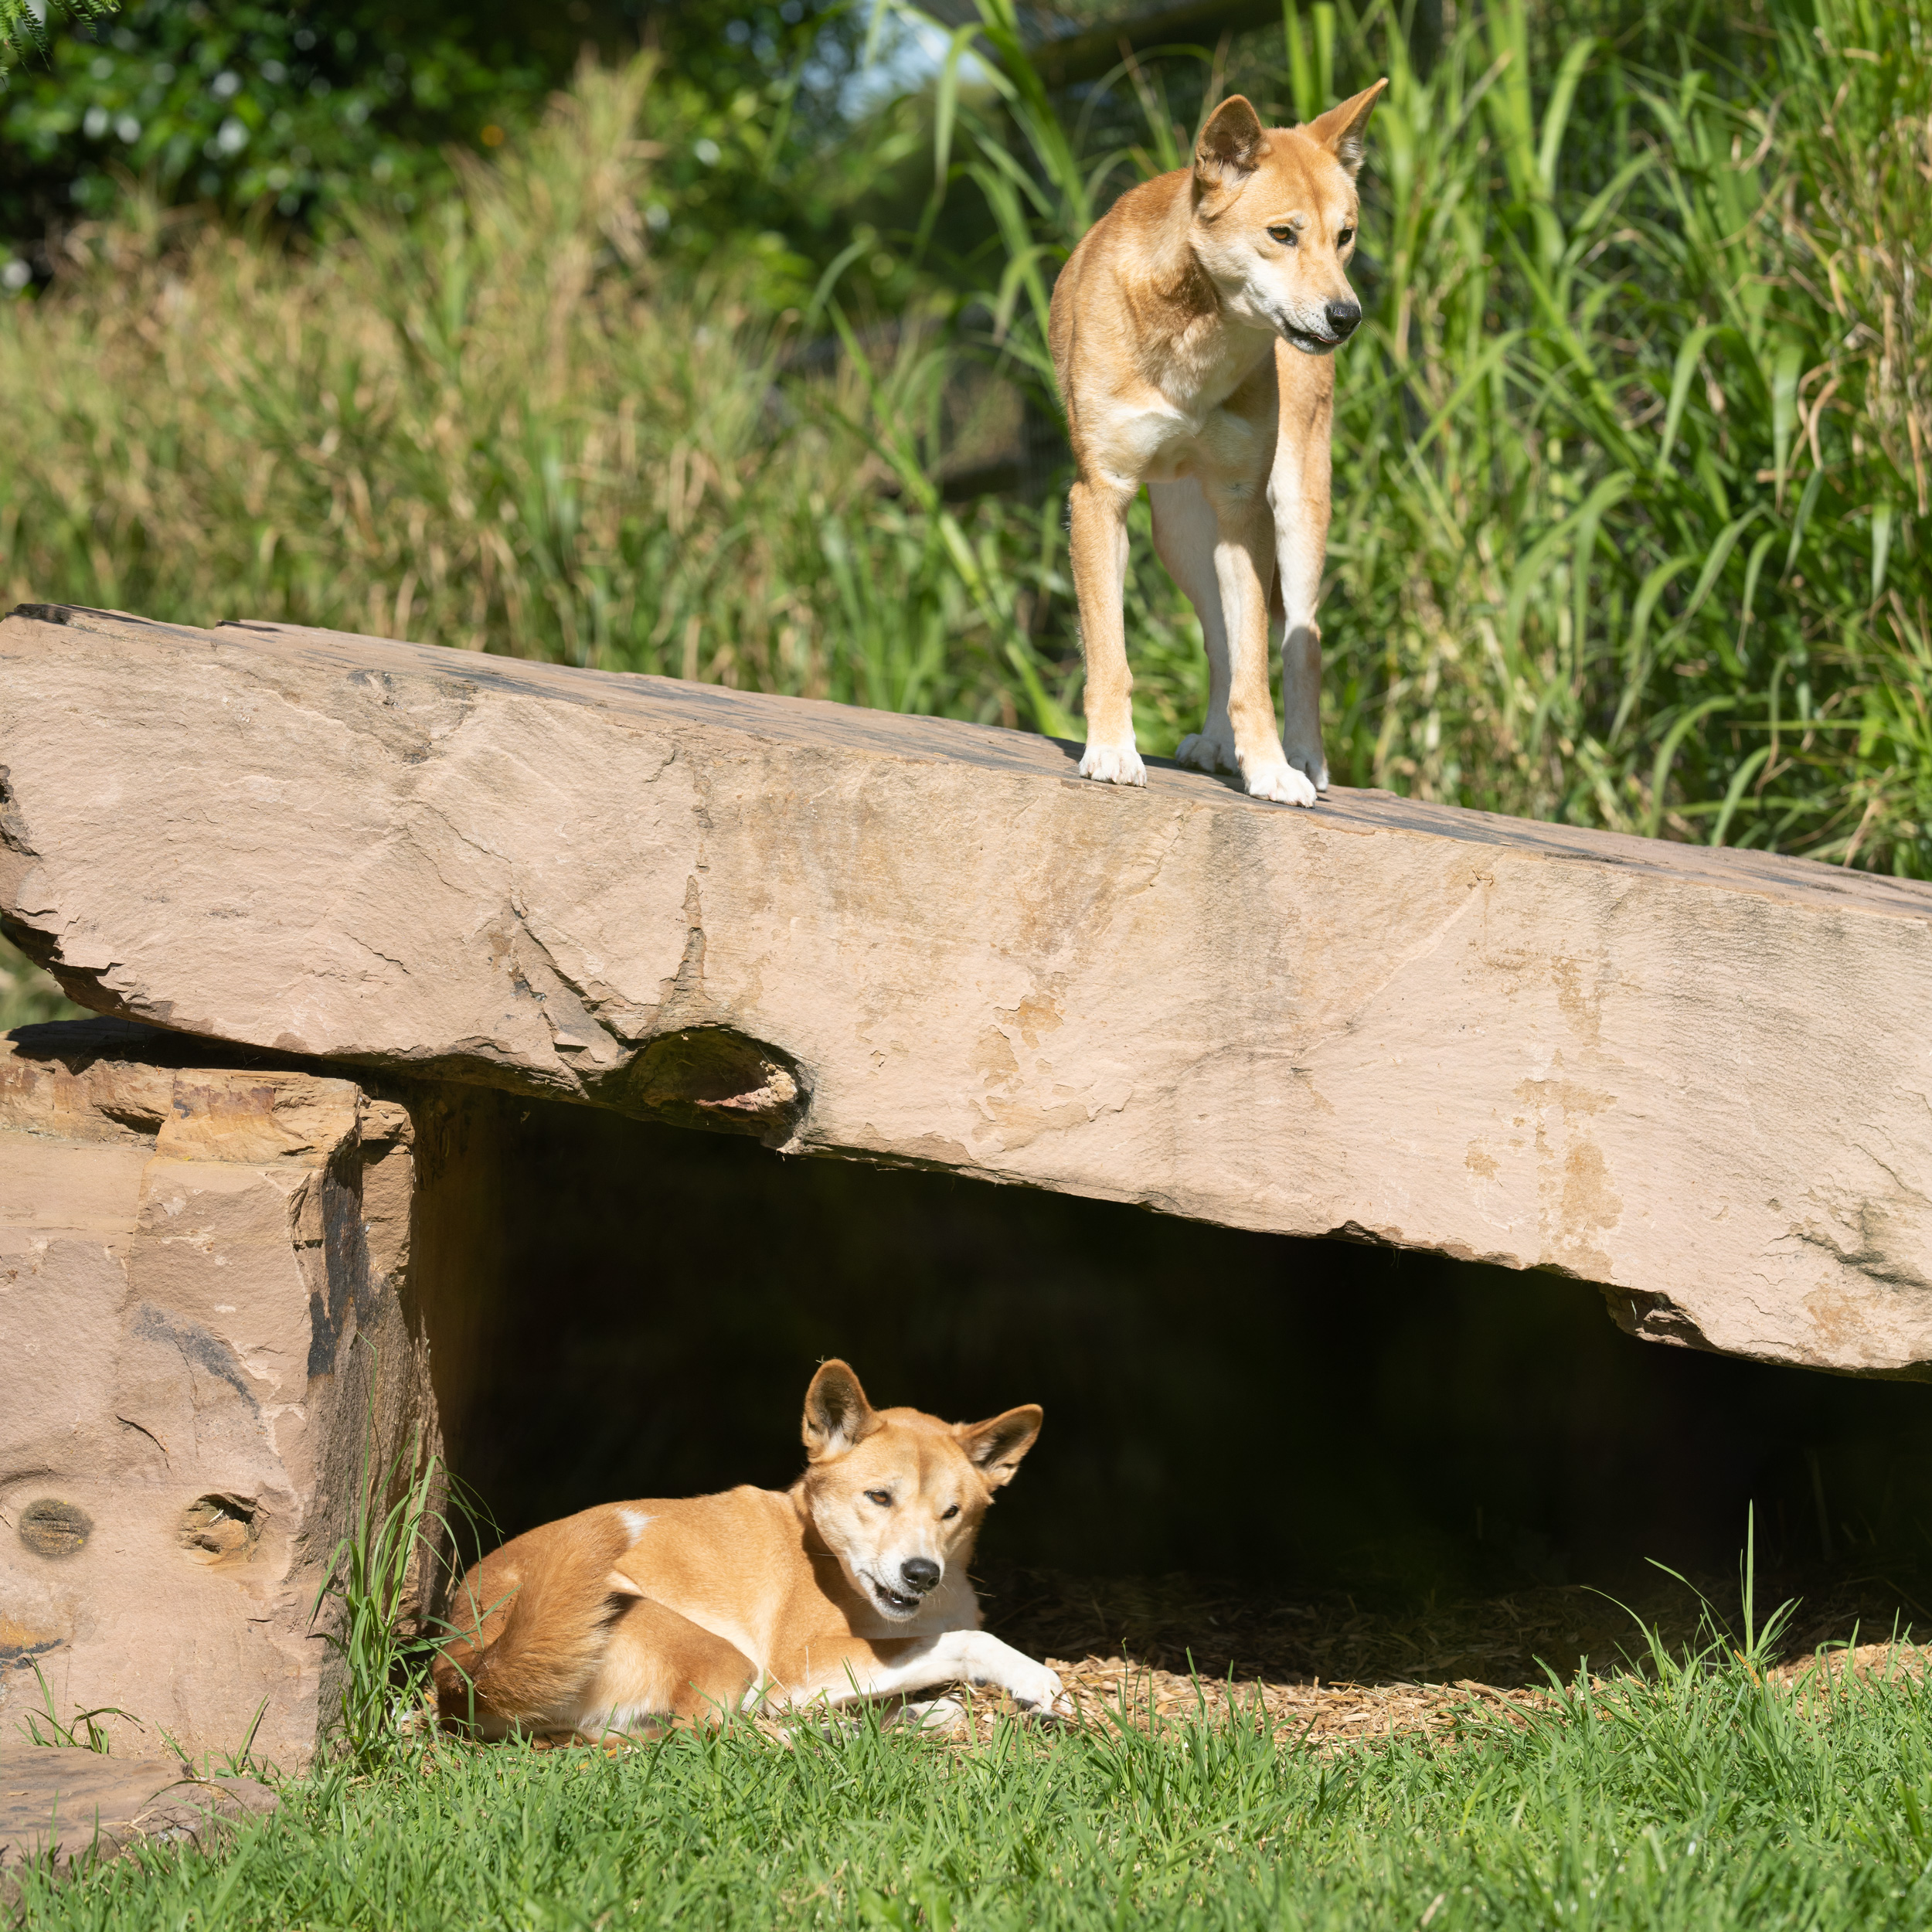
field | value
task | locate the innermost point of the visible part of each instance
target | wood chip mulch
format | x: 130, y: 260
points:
x: 1109, y: 1691
x: 1112, y: 1690
x: 1187, y: 1624
x: 1830, y: 1673
x: 1173, y: 1648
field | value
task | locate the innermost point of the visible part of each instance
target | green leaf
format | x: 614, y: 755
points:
x: 1881, y: 546
x: 1660, y: 770
x: 1786, y: 369
x: 1685, y: 368
x: 1556, y: 115
x: 23, y: 30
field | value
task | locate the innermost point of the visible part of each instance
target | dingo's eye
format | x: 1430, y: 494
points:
x: 947, y: 1515
x: 1346, y: 236
x: 1284, y: 234
x: 882, y: 1497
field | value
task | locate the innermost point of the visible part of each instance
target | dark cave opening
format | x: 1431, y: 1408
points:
x: 1293, y: 1415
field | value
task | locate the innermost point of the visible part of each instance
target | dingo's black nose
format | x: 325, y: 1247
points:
x: 918, y: 1574
x: 1343, y: 317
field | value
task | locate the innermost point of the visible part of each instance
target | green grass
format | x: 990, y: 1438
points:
x: 497, y: 427
x: 1701, y: 1798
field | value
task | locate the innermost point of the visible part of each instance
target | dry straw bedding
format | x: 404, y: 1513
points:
x: 1107, y: 1691
x: 1324, y: 1669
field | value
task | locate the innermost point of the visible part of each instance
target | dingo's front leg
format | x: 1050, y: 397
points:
x: 1098, y: 542
x: 1302, y: 698
x: 1244, y: 568
x: 846, y: 1672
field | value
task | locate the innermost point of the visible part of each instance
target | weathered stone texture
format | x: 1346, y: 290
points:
x: 205, y: 1341
x: 1700, y: 1079
x: 62, y: 1811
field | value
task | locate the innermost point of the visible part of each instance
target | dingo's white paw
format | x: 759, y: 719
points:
x: 1282, y: 783
x: 1040, y: 1691
x: 1113, y: 765
x: 1205, y: 753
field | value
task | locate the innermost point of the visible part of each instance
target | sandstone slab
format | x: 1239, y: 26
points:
x: 1702, y: 1079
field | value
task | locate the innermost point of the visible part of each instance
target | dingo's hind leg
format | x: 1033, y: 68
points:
x: 1184, y: 531
x: 660, y: 1669
x: 1299, y: 489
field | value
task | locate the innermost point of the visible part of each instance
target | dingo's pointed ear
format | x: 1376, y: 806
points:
x: 1342, y: 129
x: 1229, y: 149
x: 836, y: 1413
x: 995, y: 1448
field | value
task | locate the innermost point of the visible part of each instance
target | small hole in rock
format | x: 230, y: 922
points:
x: 215, y: 1527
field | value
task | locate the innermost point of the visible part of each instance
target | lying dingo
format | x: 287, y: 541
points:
x: 850, y: 1584
x: 1192, y: 331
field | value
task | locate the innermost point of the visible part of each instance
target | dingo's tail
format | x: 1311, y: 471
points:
x: 561, y: 1599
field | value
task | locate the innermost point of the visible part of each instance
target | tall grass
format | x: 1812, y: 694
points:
x: 491, y: 428
x: 1631, y: 456
x: 376, y: 1607
x: 1633, y: 452
x: 27, y: 996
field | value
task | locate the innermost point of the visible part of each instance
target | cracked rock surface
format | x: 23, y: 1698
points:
x: 1700, y: 1079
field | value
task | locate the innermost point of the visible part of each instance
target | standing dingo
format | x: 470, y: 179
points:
x: 1192, y: 330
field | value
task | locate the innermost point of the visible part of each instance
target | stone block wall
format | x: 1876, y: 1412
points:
x: 213, y: 1332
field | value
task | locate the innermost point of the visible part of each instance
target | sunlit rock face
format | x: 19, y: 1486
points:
x: 1698, y: 1078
